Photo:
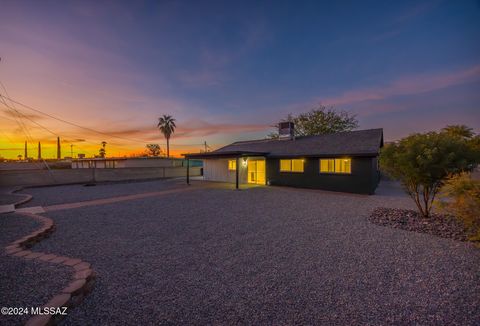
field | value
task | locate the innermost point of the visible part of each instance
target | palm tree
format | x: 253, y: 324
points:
x: 166, y: 125
x: 461, y: 131
x: 102, y: 150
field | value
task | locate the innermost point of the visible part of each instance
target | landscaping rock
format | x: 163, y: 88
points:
x: 444, y: 226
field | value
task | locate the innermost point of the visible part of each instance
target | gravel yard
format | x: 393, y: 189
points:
x: 265, y: 255
x: 6, y: 199
x: 25, y: 283
x: 45, y: 196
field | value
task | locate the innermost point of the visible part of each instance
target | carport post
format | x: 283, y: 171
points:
x: 188, y: 171
x: 236, y: 172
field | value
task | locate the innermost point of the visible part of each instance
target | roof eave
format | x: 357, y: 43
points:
x: 324, y: 155
x: 222, y: 154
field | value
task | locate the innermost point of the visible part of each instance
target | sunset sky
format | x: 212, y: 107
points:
x: 229, y: 70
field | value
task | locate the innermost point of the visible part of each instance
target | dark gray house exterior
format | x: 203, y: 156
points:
x: 345, y: 161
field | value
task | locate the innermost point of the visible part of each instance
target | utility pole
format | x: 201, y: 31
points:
x: 71, y: 150
x: 205, y: 146
x: 59, y: 154
x: 39, y: 151
x: 26, y: 154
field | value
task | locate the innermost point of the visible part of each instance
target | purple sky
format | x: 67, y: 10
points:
x: 228, y: 70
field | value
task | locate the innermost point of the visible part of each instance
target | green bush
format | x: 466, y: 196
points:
x: 423, y: 162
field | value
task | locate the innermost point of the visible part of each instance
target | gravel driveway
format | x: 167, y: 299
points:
x: 264, y: 255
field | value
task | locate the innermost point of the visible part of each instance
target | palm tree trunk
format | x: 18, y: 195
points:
x: 168, y: 146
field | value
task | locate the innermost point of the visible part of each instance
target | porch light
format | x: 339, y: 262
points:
x: 245, y: 161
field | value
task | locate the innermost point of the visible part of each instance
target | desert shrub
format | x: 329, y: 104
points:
x: 423, y: 162
x: 460, y: 197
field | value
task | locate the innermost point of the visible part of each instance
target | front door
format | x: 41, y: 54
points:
x: 256, y: 171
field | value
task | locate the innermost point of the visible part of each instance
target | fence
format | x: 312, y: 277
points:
x: 70, y: 176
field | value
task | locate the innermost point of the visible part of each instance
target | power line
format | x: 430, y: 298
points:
x: 33, y: 121
x: 68, y: 122
x: 14, y: 110
x: 9, y: 119
x: 27, y: 132
x: 18, y: 113
x: 87, y: 128
x: 20, y: 123
x: 72, y: 123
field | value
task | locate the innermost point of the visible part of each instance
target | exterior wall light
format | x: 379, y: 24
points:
x: 245, y: 161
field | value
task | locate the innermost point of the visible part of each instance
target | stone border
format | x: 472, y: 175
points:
x: 83, y: 278
x: 21, y: 201
x: 10, y: 208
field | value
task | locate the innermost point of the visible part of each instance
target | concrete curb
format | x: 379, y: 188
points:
x: 83, y: 276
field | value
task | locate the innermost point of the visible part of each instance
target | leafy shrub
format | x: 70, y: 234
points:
x: 422, y: 163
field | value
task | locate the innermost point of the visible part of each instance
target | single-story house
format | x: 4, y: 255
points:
x: 344, y: 161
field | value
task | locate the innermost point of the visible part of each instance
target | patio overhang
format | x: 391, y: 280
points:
x: 224, y: 154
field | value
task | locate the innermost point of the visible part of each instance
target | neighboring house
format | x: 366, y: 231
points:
x: 126, y: 162
x: 345, y: 161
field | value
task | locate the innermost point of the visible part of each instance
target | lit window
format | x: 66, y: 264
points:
x: 291, y: 165
x: 297, y: 165
x: 285, y: 165
x: 338, y: 165
x: 327, y: 166
x: 232, y: 165
x: 343, y: 165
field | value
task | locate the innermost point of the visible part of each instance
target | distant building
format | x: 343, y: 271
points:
x: 131, y: 162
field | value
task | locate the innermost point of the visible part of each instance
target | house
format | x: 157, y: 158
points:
x: 344, y: 161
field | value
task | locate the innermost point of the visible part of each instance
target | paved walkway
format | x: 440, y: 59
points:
x: 105, y: 201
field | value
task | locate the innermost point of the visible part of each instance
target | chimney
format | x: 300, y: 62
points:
x: 59, y: 154
x: 286, y: 130
x: 26, y: 154
x: 39, y: 151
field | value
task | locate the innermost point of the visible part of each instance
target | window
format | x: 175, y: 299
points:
x: 297, y: 165
x: 327, y: 166
x: 337, y: 165
x: 285, y: 165
x: 343, y: 165
x: 232, y: 165
x: 291, y: 165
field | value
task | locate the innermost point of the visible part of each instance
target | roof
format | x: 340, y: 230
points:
x: 224, y: 154
x: 353, y: 143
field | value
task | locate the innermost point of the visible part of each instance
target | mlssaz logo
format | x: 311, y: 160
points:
x: 49, y: 311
